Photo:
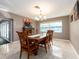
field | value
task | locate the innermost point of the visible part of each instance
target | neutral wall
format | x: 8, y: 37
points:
x: 17, y: 22
x: 65, y: 27
x: 74, y: 34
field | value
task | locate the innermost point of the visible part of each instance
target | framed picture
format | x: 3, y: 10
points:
x: 76, y: 11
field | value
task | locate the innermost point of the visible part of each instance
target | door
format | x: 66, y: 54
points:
x: 6, y: 30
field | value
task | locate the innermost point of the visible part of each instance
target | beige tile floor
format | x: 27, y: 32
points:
x: 61, y: 49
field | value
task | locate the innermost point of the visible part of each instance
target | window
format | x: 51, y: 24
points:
x: 4, y: 30
x: 55, y: 26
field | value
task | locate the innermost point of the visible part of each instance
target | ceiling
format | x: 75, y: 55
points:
x: 50, y: 8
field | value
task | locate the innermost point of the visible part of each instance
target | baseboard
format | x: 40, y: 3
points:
x: 75, y: 51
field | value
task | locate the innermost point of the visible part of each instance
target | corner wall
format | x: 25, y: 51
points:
x: 74, y: 27
x: 74, y: 34
x: 17, y: 22
x: 65, y: 27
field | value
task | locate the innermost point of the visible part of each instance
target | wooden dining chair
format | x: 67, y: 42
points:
x: 26, y: 45
x: 44, y: 43
x: 47, y: 40
x: 50, y: 33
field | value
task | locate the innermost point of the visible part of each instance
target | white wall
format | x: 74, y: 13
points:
x: 74, y: 31
x: 74, y: 34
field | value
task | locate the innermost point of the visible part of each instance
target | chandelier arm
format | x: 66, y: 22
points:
x: 40, y: 14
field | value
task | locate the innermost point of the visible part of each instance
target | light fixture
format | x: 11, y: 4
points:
x: 4, y: 9
x: 40, y: 17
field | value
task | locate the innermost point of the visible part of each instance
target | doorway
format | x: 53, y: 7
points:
x: 6, y: 30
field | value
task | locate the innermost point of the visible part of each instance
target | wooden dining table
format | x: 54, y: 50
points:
x: 37, y: 37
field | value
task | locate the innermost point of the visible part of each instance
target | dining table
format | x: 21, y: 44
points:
x: 37, y: 37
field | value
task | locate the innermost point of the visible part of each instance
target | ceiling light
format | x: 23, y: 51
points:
x: 40, y: 16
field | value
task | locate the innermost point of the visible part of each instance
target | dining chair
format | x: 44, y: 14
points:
x: 50, y: 33
x: 47, y: 40
x: 26, y: 45
x: 44, y: 43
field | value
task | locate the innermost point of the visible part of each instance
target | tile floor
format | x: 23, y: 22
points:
x: 61, y: 49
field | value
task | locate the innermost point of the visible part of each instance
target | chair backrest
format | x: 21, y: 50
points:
x: 23, y: 38
x: 50, y: 34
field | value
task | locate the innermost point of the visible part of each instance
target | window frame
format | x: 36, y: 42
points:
x: 52, y: 26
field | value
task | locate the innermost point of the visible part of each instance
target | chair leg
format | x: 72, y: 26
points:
x: 47, y: 45
x: 36, y: 53
x: 28, y: 56
x: 20, y: 54
x: 52, y: 42
x: 46, y: 48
